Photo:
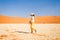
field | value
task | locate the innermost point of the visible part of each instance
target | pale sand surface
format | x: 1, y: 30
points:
x: 22, y: 32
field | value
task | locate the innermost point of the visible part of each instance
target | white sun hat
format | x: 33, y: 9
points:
x: 32, y: 14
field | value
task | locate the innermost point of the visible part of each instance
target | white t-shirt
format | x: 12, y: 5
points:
x: 32, y: 19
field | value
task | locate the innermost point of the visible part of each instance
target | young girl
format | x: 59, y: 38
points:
x: 32, y: 22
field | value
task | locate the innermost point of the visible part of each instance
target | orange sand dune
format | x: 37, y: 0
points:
x: 39, y: 19
x: 6, y: 19
x: 47, y: 19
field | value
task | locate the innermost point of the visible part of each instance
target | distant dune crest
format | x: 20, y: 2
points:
x: 38, y: 20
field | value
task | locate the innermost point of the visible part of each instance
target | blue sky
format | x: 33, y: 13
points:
x: 22, y: 8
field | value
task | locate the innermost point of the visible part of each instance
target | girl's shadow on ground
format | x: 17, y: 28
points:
x: 36, y: 34
x: 22, y: 32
